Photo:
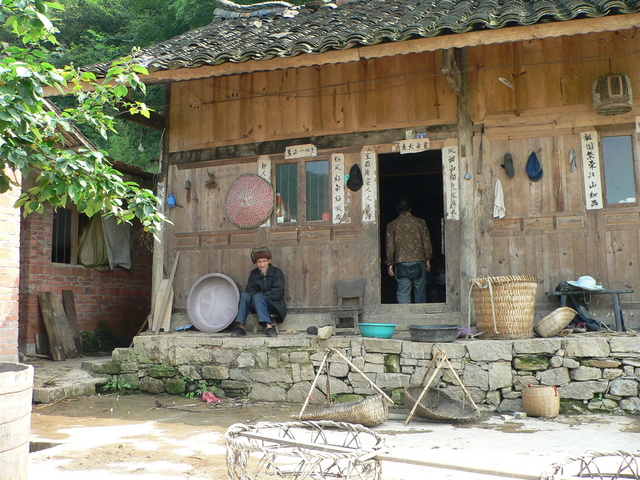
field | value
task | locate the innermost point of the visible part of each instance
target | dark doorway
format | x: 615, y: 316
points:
x: 419, y: 177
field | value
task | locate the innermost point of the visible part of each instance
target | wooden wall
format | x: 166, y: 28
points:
x: 392, y: 92
x: 547, y: 231
x: 312, y: 255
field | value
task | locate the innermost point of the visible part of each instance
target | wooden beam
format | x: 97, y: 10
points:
x: 451, y: 71
x: 242, y: 152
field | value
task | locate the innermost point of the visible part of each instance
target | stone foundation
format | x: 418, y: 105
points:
x: 593, y: 372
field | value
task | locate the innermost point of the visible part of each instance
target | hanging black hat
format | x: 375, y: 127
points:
x: 355, y: 178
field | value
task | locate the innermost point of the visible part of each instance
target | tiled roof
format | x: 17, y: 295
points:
x: 277, y: 29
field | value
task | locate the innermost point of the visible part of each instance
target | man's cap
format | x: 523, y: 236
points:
x: 534, y: 169
x: 260, y: 252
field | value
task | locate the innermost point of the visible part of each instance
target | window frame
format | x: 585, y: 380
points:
x: 616, y: 131
x: 75, y: 227
x: 302, y: 191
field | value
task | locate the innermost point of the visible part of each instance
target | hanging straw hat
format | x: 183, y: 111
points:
x: 586, y: 282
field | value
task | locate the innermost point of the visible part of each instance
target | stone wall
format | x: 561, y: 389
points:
x: 593, y: 372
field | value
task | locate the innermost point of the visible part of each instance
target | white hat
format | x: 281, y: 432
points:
x: 586, y: 282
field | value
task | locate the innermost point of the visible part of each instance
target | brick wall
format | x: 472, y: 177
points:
x: 119, y: 299
x: 9, y: 274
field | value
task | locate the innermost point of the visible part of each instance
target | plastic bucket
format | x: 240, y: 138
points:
x: 16, y: 391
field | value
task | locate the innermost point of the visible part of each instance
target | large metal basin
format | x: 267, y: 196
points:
x: 433, y: 333
x: 212, y: 303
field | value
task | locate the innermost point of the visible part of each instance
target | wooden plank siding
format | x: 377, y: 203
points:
x: 546, y: 232
x: 360, y: 96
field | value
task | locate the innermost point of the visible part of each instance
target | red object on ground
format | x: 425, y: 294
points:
x: 209, y: 397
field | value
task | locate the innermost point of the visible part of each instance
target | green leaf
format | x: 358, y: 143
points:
x: 45, y: 22
x: 23, y: 72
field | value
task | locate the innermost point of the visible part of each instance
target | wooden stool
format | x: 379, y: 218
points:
x: 349, y: 290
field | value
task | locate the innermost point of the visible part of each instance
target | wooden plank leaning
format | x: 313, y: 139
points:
x: 164, y: 300
x: 59, y: 331
x: 69, y: 304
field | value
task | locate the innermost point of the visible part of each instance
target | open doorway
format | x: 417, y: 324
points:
x: 419, y: 177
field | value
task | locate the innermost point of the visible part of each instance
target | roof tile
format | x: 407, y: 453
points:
x: 277, y: 29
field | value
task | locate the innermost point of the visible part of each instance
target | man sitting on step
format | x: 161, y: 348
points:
x: 264, y: 294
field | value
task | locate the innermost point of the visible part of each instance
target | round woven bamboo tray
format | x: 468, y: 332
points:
x: 504, y: 306
x: 541, y: 401
x: 555, y: 322
x: 303, y: 450
x: 250, y: 201
x: 370, y: 411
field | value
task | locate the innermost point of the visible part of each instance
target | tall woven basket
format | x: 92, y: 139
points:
x: 504, y: 306
x: 541, y: 401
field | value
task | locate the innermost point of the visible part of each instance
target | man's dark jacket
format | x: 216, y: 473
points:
x: 271, y: 286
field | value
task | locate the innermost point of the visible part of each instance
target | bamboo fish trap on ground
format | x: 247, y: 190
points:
x: 369, y: 412
x: 303, y: 450
x: 435, y: 403
x: 616, y: 465
x: 504, y: 306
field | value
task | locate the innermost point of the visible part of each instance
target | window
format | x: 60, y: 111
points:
x: 67, y: 225
x: 287, y: 193
x: 317, y: 185
x: 620, y: 185
x: 310, y: 196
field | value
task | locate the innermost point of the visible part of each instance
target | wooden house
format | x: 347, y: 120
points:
x: 426, y: 97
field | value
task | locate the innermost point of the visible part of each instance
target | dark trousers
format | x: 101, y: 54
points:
x: 411, y: 276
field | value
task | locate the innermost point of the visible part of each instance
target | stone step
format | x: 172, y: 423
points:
x: 55, y: 381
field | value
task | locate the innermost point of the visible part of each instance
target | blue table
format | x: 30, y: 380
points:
x: 615, y: 294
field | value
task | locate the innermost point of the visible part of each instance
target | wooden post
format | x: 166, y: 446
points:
x: 157, y: 274
x: 465, y: 147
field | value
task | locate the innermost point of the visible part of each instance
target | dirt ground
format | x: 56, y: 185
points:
x: 147, y: 437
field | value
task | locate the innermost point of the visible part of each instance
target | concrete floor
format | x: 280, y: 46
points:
x: 148, y: 437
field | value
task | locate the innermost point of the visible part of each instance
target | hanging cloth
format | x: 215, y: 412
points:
x: 499, y: 210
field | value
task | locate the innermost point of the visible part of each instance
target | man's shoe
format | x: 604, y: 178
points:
x: 239, y: 332
x: 272, y: 332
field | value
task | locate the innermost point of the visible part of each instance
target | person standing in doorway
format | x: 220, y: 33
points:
x: 409, y: 253
x: 264, y: 294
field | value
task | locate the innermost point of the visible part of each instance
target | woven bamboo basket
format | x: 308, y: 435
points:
x: 541, y: 401
x: 555, y: 322
x: 504, y: 306
x: 303, y: 450
x: 370, y: 411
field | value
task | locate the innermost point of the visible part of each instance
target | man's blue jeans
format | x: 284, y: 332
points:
x: 259, y: 304
x: 411, y: 276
